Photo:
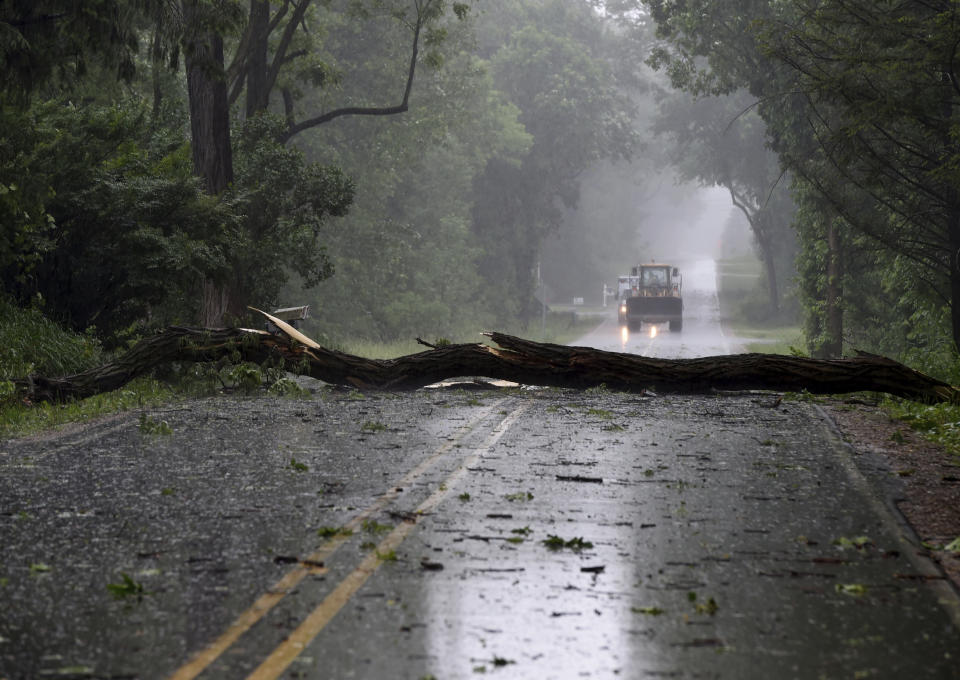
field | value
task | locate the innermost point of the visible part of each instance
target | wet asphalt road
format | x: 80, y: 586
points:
x: 415, y: 536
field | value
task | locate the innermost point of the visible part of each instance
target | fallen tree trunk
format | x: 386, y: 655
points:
x: 514, y: 359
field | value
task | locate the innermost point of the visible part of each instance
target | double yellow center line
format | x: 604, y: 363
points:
x: 284, y: 654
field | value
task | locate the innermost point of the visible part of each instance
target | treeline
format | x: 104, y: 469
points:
x: 858, y: 100
x: 402, y: 165
x: 394, y: 163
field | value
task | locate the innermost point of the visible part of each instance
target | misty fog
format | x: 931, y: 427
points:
x: 622, y: 220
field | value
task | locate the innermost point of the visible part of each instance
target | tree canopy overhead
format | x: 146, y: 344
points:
x: 462, y: 135
x: 858, y: 100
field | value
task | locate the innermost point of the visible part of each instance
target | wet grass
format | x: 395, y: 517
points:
x: 771, y: 339
x: 32, y: 343
x: 938, y: 423
x: 19, y: 419
x: 741, y: 296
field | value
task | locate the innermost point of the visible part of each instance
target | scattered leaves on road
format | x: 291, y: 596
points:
x: 554, y: 542
x: 149, y: 426
x: 857, y: 542
x: 127, y: 588
x: 389, y: 556
x: 330, y: 532
x: 649, y: 611
x: 373, y: 527
x: 854, y: 589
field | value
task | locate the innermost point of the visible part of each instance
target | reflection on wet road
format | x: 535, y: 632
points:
x: 702, y: 334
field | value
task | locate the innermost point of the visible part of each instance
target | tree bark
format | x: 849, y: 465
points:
x: 769, y: 264
x: 209, y: 129
x: 833, y: 347
x: 209, y: 110
x: 258, y: 85
x: 757, y: 217
x: 515, y: 359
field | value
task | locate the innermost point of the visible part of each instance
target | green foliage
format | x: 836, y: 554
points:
x: 105, y: 219
x: 129, y: 233
x: 55, y: 41
x: 246, y: 377
x: 285, y: 387
x: 552, y: 68
x: 388, y: 556
x: 939, y: 423
x: 503, y: 148
x: 285, y: 203
x: 32, y: 343
x: 721, y: 141
x: 28, y: 227
x: 857, y: 103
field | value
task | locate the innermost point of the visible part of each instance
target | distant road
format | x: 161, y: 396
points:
x: 702, y: 334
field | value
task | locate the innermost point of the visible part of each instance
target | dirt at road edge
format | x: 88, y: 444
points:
x: 929, y: 476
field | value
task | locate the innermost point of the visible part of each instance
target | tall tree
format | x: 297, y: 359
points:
x: 209, y: 125
x: 55, y: 41
x: 46, y: 45
x: 721, y: 141
x: 859, y: 99
x: 878, y: 86
x: 266, y: 47
x: 553, y: 66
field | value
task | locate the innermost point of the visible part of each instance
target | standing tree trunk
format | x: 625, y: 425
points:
x: 769, y: 265
x: 156, y: 59
x: 758, y: 218
x: 209, y: 128
x: 951, y: 197
x: 953, y: 230
x: 833, y: 347
x: 258, y: 79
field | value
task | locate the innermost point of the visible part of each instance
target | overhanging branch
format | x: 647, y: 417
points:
x: 402, y: 107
